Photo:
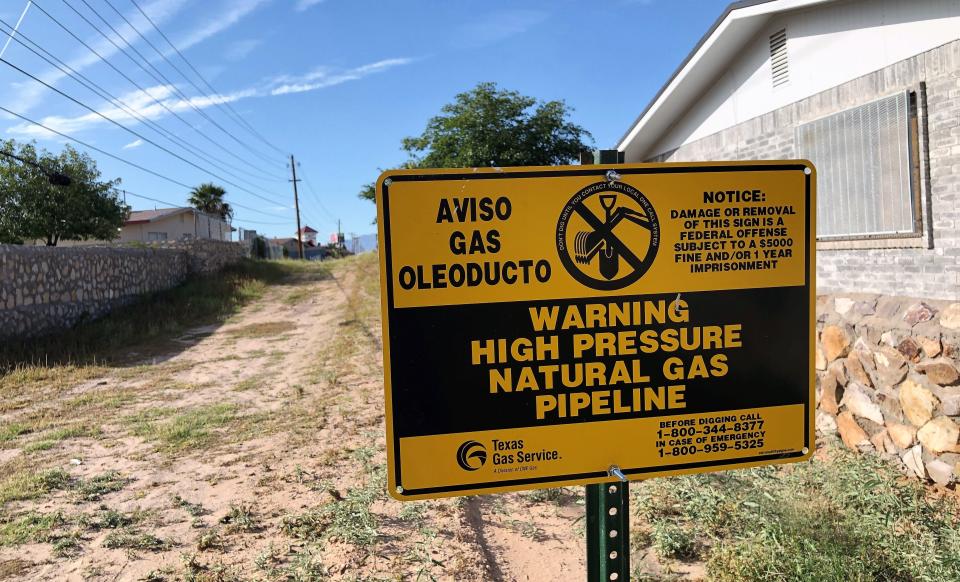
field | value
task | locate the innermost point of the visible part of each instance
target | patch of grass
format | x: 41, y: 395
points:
x: 134, y: 540
x: 674, y: 541
x: 194, y: 509
x: 103, y: 399
x: 194, y: 571
x: 192, y: 428
x: 250, y: 383
x: 264, y: 329
x: 12, y: 431
x: 306, y: 566
x: 241, y: 517
x: 550, y: 495
x: 210, y: 540
x: 110, y: 519
x: 298, y: 296
x: 30, y: 527
x: 844, y: 517
x: 156, y: 316
x: 96, y: 487
x: 18, y: 378
x: 349, y: 519
x: 26, y: 485
x: 56, y: 436
x: 67, y: 545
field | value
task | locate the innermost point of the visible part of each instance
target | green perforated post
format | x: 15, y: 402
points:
x: 608, y: 504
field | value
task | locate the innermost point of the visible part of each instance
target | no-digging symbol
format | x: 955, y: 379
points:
x: 603, y: 255
x: 541, y: 325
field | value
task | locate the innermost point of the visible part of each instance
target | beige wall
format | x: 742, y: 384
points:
x: 184, y: 225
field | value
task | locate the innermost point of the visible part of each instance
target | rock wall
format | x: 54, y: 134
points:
x: 45, y: 289
x: 888, y: 379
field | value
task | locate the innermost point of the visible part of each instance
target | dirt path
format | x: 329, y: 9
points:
x: 255, y: 450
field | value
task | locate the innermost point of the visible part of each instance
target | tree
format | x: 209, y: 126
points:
x: 31, y: 207
x: 489, y: 126
x: 209, y: 198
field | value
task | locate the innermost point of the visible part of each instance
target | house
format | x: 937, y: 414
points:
x: 309, y: 236
x: 289, y: 244
x: 869, y: 91
x: 173, y: 224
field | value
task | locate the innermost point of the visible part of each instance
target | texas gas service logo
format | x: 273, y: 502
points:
x: 471, y: 456
x: 608, y: 235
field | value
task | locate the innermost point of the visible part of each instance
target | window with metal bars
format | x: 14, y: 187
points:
x: 865, y: 169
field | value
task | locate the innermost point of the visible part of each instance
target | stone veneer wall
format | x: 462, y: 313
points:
x: 927, y: 265
x: 45, y: 289
x: 888, y: 380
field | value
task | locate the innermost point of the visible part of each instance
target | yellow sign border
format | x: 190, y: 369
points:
x: 600, y: 171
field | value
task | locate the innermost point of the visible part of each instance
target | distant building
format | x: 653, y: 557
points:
x: 869, y: 91
x: 309, y: 236
x: 173, y: 224
x: 289, y: 244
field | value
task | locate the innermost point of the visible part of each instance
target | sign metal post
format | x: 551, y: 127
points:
x: 607, y: 505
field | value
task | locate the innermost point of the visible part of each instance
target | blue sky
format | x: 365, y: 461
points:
x: 338, y: 83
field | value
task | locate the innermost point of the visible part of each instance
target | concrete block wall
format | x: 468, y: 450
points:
x: 879, y: 266
x: 46, y: 289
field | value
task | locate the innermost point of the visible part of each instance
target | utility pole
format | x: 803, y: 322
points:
x: 339, y: 236
x: 296, y: 204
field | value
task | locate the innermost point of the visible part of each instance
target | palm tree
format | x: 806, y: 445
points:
x: 208, y: 197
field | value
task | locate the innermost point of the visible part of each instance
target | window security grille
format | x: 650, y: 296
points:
x: 779, y: 68
x: 862, y: 156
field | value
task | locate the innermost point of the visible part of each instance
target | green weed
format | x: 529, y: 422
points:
x: 133, y: 540
x: 190, y: 429
x: 848, y: 517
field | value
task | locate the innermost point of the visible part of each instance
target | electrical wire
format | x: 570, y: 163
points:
x: 316, y: 198
x: 121, y: 104
x: 135, y: 133
x: 159, y: 77
x: 149, y: 94
x: 116, y: 157
x: 225, y: 106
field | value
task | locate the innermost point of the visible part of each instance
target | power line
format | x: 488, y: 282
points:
x: 135, y: 133
x: 148, y: 93
x: 104, y: 94
x: 175, y: 205
x: 316, y: 198
x: 225, y: 106
x: 162, y: 79
x: 116, y: 157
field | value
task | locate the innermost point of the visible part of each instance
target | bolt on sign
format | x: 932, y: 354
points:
x: 542, y: 325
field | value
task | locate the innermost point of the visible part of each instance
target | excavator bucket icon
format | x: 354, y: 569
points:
x: 587, y: 245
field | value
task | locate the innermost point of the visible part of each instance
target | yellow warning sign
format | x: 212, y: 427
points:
x: 544, y: 324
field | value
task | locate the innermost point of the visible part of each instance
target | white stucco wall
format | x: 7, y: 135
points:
x: 178, y: 227
x: 827, y: 45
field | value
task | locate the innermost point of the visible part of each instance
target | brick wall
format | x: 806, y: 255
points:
x: 918, y: 271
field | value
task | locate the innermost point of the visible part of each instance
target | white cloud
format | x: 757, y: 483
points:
x: 321, y: 78
x: 307, y: 4
x: 157, y: 102
x: 497, y: 26
x: 224, y: 20
x: 134, y: 144
x: 26, y: 96
x: 240, y: 49
x: 145, y: 103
